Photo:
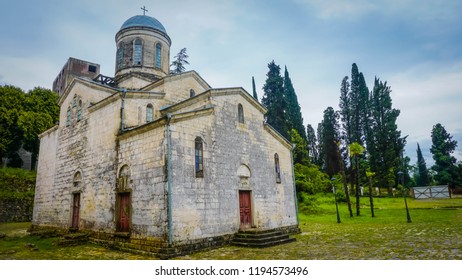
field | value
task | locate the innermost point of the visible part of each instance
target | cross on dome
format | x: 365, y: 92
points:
x: 144, y: 10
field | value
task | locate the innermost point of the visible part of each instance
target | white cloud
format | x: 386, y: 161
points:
x: 428, y: 94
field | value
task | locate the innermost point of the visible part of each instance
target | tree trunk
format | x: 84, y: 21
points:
x: 371, y: 200
x: 358, y: 191
x: 347, y: 193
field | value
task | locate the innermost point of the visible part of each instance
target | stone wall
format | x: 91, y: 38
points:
x: 16, y: 194
x: 16, y: 210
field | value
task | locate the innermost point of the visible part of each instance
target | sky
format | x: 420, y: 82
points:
x: 414, y: 45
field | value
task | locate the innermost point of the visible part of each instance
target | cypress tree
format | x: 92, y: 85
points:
x: 294, y: 113
x: 254, y: 89
x: 386, y: 145
x: 354, y: 114
x: 312, y: 145
x: 178, y: 65
x: 441, y: 149
x: 273, y: 99
x: 423, y: 179
x: 328, y: 131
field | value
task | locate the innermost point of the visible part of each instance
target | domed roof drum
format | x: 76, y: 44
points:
x: 143, y: 21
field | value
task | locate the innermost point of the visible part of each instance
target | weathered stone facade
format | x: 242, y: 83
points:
x: 168, y: 167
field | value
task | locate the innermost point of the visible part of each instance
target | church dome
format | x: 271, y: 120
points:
x: 143, y: 21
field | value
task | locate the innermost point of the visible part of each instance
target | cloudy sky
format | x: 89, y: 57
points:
x: 414, y: 45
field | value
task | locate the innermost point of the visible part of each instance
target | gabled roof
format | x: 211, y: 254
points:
x: 216, y: 92
x: 87, y: 82
x: 174, y: 77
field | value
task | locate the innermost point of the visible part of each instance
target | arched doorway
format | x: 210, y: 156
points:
x: 245, y: 197
x: 123, y: 200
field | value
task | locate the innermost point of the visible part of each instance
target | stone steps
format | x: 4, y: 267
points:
x: 261, y: 238
x: 73, y: 239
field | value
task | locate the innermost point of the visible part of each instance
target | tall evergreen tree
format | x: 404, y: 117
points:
x: 254, y: 90
x: 386, y: 145
x: 294, y: 112
x: 422, y: 179
x: 178, y: 65
x: 312, y: 145
x: 354, y: 107
x: 354, y: 116
x: 345, y: 109
x: 273, y: 99
x: 445, y: 164
x: 329, y: 137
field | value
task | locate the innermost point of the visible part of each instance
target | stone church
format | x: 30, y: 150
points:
x: 159, y: 162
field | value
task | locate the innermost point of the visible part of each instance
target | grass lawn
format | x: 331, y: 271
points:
x: 435, y: 233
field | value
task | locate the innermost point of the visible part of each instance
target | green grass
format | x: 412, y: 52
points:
x: 435, y: 233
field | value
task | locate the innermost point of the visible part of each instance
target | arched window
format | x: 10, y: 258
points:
x: 278, y: 170
x: 77, y: 178
x: 158, y: 55
x: 74, y: 101
x: 123, y: 180
x: 192, y: 93
x: 120, y: 57
x: 149, y: 113
x: 240, y: 113
x: 199, y: 159
x: 68, y: 116
x: 137, y: 52
x: 79, y: 111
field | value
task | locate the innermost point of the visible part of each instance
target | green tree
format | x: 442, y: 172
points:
x: 178, y: 65
x: 345, y: 109
x: 254, y: 90
x: 41, y: 112
x: 445, y: 164
x: 312, y: 145
x: 353, y: 107
x: 423, y: 178
x: 309, y: 179
x: 23, y: 118
x: 300, y: 152
x: 42, y: 100
x: 354, y: 113
x: 32, y: 124
x: 11, y: 106
x: 328, y: 132
x: 385, y: 144
x: 293, y: 110
x: 273, y: 99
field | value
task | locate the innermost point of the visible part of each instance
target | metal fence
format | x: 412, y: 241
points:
x: 431, y: 192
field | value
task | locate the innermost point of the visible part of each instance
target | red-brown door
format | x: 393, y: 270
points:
x: 123, y: 222
x: 245, y: 209
x: 75, y: 210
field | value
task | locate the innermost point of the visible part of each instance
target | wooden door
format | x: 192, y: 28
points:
x: 245, y: 209
x: 123, y: 222
x: 75, y: 210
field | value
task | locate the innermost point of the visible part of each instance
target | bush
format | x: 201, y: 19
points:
x: 309, y: 179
